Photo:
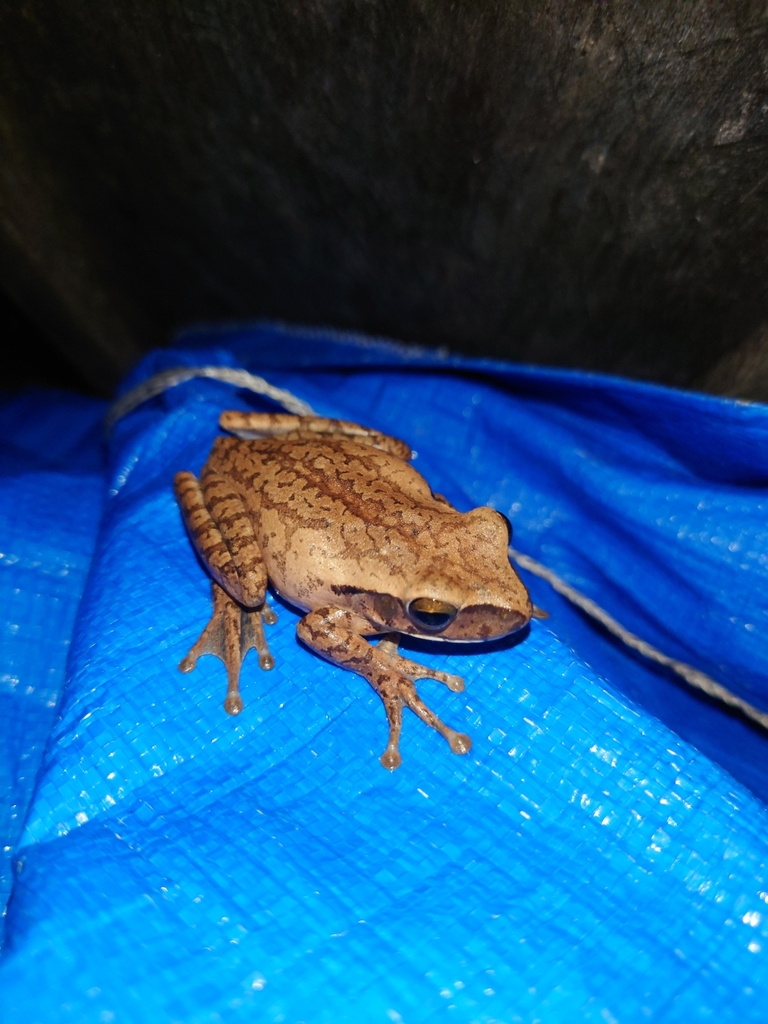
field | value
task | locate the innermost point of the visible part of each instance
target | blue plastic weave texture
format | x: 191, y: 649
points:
x: 51, y: 487
x: 583, y: 863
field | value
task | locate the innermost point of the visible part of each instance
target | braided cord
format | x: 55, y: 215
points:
x: 156, y: 385
x: 691, y: 675
x: 243, y: 379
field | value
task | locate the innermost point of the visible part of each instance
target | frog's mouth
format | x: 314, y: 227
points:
x: 430, y: 615
x: 476, y: 623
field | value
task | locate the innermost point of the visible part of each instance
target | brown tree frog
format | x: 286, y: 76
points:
x: 334, y: 517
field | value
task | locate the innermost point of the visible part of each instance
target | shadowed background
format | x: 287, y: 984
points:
x: 572, y: 183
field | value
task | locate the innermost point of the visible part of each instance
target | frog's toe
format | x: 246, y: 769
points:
x: 391, y: 758
x: 187, y: 663
x: 269, y: 616
x: 413, y: 671
x: 233, y: 704
x: 252, y: 634
x: 459, y: 742
x: 455, y: 683
x: 387, y: 689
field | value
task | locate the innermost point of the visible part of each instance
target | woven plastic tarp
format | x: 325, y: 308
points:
x: 602, y: 853
x: 51, y: 488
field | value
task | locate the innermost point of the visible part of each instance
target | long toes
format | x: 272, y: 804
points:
x: 459, y: 742
x: 455, y: 683
x: 391, y: 758
x: 412, y: 670
x: 233, y: 704
x: 187, y: 664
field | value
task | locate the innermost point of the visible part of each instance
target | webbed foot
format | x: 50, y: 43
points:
x: 231, y: 632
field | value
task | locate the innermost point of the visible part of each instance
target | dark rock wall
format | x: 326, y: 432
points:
x: 558, y: 181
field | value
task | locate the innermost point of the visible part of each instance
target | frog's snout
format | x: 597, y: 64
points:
x: 487, y: 622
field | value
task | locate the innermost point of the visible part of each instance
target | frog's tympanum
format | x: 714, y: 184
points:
x: 334, y: 517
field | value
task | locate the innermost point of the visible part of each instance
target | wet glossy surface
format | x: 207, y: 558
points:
x: 582, y: 863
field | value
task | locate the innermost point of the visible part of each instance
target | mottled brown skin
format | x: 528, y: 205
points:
x: 343, y: 527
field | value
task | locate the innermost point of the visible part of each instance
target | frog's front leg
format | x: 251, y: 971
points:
x: 335, y: 634
x: 223, y: 535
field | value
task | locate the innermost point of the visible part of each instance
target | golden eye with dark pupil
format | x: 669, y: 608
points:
x: 430, y: 615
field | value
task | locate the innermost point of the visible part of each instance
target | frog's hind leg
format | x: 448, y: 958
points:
x: 222, y: 532
x: 230, y: 634
x: 250, y: 425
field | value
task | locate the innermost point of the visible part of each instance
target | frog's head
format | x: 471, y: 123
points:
x: 472, y: 592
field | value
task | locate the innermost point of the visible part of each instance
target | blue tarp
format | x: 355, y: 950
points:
x: 51, y: 491
x: 602, y: 853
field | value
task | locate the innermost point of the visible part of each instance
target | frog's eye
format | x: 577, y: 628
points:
x: 430, y: 615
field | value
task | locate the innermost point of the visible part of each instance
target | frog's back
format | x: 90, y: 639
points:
x: 333, y: 513
x: 338, y: 479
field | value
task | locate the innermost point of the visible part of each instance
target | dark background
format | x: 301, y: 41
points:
x: 556, y: 181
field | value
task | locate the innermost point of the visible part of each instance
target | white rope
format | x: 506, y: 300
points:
x: 691, y: 675
x: 170, y: 378
x: 242, y: 379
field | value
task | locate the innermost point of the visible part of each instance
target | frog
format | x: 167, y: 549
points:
x: 335, y: 518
